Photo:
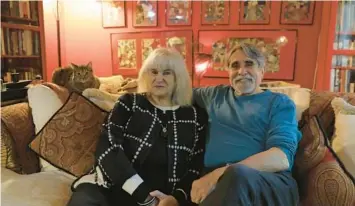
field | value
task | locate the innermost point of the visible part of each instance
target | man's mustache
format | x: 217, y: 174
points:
x: 244, y: 77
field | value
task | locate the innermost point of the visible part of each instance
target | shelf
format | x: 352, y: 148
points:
x: 344, y: 68
x: 19, y: 26
x: 344, y: 52
x: 18, y: 18
x: 346, y: 33
x: 19, y: 56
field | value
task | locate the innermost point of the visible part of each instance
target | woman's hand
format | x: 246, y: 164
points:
x: 158, y: 194
x: 164, y: 200
x: 168, y: 201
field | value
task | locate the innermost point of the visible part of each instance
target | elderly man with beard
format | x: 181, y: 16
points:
x: 252, y: 140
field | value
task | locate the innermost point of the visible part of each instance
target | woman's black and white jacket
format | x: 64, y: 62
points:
x: 128, y: 135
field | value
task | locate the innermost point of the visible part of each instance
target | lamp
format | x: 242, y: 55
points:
x: 203, y: 61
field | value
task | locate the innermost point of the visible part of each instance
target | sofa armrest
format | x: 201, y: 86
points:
x: 17, y: 120
x: 327, y: 184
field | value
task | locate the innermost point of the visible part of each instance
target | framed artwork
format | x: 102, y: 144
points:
x: 178, y: 13
x: 297, y: 12
x: 145, y: 13
x: 280, y: 63
x: 254, y: 12
x: 215, y: 12
x: 113, y: 14
x: 129, y: 50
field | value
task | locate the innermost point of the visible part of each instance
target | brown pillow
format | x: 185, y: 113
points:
x: 68, y: 140
x: 8, y: 152
x: 18, y: 121
x: 320, y: 105
x: 319, y: 173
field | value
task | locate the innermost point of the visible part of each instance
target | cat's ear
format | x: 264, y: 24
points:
x: 73, y: 65
x: 89, y: 64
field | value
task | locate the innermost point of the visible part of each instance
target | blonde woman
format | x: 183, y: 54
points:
x: 152, y: 145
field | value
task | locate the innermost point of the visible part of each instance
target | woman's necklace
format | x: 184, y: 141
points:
x: 164, y: 118
x: 164, y: 123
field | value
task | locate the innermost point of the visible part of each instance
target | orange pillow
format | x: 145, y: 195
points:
x: 68, y: 140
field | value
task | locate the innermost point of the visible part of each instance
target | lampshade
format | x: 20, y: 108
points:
x: 202, y: 62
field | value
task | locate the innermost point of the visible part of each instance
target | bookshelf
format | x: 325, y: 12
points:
x: 22, y: 46
x: 342, y: 75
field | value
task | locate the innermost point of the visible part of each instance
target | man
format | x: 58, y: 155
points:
x: 253, y: 137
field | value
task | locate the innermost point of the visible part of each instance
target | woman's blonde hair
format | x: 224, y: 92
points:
x: 163, y: 58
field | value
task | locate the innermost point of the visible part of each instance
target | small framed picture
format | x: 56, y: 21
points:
x: 113, y: 14
x: 297, y: 12
x: 254, y: 12
x: 215, y: 12
x: 145, y: 13
x: 178, y: 13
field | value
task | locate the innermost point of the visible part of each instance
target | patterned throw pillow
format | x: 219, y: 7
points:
x: 320, y: 105
x: 19, y: 124
x: 321, y: 176
x: 68, y: 140
x: 8, y: 153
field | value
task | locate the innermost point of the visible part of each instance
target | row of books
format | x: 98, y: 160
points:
x: 24, y: 74
x: 20, y: 8
x: 343, y: 80
x: 19, y: 42
x: 346, y: 15
x: 343, y: 61
x: 344, y: 43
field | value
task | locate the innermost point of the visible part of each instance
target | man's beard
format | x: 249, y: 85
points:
x: 244, y: 84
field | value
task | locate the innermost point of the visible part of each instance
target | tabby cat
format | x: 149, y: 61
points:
x: 76, y: 77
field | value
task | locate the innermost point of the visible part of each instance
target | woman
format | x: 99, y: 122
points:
x: 152, y: 145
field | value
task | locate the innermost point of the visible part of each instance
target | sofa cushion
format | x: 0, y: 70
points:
x: 320, y: 105
x: 321, y: 177
x: 344, y: 136
x: 45, y: 100
x: 68, y: 140
x: 18, y: 121
x: 8, y: 152
x: 39, y: 189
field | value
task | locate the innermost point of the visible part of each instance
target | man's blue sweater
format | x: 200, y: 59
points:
x: 242, y: 126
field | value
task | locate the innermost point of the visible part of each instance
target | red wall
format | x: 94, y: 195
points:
x: 84, y: 39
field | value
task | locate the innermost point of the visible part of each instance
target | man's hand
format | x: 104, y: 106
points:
x: 203, y: 186
x: 168, y: 201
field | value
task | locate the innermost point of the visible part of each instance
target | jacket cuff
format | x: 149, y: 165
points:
x: 141, y: 193
x: 181, y: 196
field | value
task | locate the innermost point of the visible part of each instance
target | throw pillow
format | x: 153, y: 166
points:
x: 18, y: 121
x: 320, y: 105
x: 68, y: 140
x: 344, y: 136
x: 8, y: 152
x: 321, y: 177
x: 44, y: 102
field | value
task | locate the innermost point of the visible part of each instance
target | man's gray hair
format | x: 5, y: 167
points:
x: 250, y: 51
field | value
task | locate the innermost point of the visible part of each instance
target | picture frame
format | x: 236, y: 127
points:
x: 215, y: 12
x: 129, y: 50
x: 280, y: 61
x: 254, y: 12
x: 113, y: 13
x: 178, y: 13
x: 145, y: 13
x: 297, y: 12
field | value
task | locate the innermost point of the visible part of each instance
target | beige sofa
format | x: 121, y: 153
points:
x: 322, y: 180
